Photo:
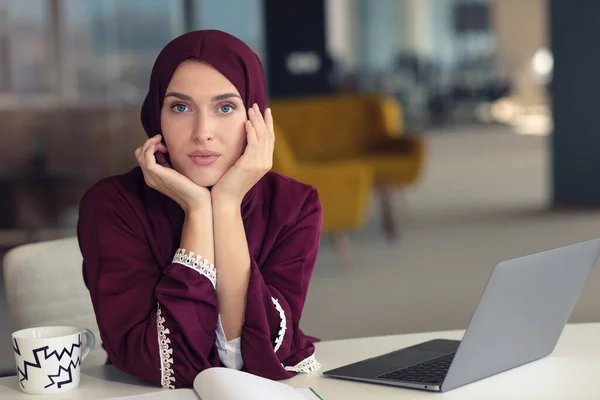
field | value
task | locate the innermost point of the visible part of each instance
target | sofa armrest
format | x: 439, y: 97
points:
x: 344, y: 189
x: 337, y: 173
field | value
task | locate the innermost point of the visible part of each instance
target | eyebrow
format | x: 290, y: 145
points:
x: 188, y: 98
x: 225, y: 96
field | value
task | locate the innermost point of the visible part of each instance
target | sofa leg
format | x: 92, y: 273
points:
x: 389, y: 213
x: 341, y: 244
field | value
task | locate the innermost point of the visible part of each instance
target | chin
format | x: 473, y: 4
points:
x: 204, y: 178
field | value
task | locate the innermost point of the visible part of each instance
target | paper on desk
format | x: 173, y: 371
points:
x: 230, y: 384
x: 166, y: 394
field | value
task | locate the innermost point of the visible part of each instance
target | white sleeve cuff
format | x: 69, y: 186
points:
x: 230, y: 352
x: 197, y: 263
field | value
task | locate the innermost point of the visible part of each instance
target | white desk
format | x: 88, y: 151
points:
x: 571, y: 372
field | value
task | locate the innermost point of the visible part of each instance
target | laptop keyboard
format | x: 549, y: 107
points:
x: 432, y: 371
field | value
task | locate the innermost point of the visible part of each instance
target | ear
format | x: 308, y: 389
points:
x: 167, y: 159
x: 163, y: 138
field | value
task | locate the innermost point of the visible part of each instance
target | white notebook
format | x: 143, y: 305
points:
x: 229, y: 384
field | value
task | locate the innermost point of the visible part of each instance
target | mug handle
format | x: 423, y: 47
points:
x: 90, y: 341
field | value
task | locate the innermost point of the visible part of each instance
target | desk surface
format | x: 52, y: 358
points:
x: 570, y: 372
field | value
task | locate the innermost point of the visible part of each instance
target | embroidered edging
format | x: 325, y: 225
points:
x: 197, y: 263
x: 166, y: 352
x: 282, y: 324
x: 309, y: 364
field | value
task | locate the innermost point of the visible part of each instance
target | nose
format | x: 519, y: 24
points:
x: 203, y: 131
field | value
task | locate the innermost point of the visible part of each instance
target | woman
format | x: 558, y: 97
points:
x: 201, y: 257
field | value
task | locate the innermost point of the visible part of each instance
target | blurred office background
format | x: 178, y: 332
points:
x: 460, y: 133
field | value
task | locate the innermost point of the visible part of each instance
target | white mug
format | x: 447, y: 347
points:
x: 49, y: 358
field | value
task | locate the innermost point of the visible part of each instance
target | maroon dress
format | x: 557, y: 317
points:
x: 157, y: 317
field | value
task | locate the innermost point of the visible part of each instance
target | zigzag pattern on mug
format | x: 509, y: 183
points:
x: 24, y: 372
x: 65, y: 351
x: 60, y: 368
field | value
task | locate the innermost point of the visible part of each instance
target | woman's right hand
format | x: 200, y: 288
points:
x: 190, y: 196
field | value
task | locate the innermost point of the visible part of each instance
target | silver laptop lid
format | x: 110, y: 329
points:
x: 522, y: 312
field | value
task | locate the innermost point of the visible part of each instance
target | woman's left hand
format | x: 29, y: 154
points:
x: 254, y: 163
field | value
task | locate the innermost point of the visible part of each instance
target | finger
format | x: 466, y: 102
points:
x: 149, y: 157
x: 139, y: 158
x: 270, y: 124
x: 162, y: 148
x: 143, y: 149
x: 270, y: 139
x: 258, y: 122
x: 153, y: 140
x: 145, y: 146
x: 141, y: 162
x: 269, y: 118
x: 251, y: 137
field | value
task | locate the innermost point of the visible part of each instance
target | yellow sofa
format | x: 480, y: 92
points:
x: 354, y: 129
x: 344, y: 187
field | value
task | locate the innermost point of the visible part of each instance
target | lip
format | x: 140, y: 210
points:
x: 203, y: 153
x: 204, y: 157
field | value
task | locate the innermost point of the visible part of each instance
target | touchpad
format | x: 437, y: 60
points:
x: 406, y: 357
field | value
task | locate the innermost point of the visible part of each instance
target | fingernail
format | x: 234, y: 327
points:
x: 251, y: 111
x: 255, y: 106
x: 269, y: 110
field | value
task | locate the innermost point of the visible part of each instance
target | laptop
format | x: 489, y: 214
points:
x: 523, y: 310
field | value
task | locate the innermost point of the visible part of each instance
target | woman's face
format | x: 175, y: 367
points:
x: 202, y: 121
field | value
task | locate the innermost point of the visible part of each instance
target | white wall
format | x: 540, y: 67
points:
x: 415, y: 22
x: 341, y: 24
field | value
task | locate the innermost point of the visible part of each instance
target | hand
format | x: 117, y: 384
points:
x: 254, y: 163
x: 159, y: 175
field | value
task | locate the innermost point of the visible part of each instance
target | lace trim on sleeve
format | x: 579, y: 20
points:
x: 282, y: 324
x: 166, y: 352
x: 309, y: 364
x: 197, y: 263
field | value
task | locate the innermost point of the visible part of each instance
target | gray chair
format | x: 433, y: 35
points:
x: 44, y: 286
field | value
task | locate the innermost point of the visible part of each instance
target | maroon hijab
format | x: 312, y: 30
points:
x: 224, y: 52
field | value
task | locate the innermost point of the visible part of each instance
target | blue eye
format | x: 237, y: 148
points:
x: 226, y: 109
x: 179, y: 108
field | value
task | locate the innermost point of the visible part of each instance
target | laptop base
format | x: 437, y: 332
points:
x: 372, y: 369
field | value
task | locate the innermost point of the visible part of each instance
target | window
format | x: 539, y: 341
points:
x: 78, y: 52
x: 26, y: 47
x: 112, y: 44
